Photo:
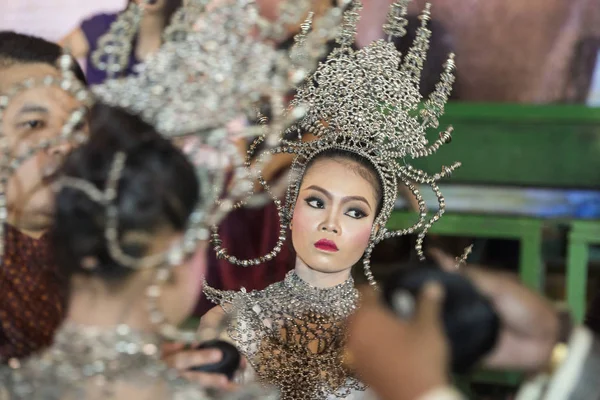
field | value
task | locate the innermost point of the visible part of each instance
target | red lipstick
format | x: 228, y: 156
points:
x: 326, y: 245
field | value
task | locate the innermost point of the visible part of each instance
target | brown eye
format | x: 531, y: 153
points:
x: 33, y: 124
x: 315, y: 202
x: 356, y: 213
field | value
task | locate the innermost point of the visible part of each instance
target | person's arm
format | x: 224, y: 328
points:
x: 277, y: 163
x: 537, y: 338
x: 76, y: 42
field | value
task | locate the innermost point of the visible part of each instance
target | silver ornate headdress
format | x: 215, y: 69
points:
x: 368, y: 102
x: 205, y: 213
x: 114, y: 48
x: 220, y: 71
x: 116, y: 45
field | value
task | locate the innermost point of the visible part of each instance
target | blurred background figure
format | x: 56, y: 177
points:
x: 145, y: 39
x: 32, y: 304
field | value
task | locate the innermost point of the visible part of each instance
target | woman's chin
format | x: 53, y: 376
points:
x: 328, y: 268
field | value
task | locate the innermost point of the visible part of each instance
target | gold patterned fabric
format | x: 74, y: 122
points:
x: 293, y: 335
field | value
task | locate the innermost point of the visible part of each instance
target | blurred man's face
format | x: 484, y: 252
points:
x: 32, y: 116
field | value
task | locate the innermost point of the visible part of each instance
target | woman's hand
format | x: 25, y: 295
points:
x: 178, y: 357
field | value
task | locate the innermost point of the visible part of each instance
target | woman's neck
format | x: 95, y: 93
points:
x: 92, y: 305
x: 149, y: 37
x: 320, y: 279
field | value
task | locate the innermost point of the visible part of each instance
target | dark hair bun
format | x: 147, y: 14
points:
x: 470, y: 321
x: 158, y: 188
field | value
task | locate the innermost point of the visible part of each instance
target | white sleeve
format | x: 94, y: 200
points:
x: 446, y: 393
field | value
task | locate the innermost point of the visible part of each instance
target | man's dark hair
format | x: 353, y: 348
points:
x: 17, y: 48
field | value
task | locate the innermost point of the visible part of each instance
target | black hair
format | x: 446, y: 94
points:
x: 158, y: 189
x: 366, y: 169
x: 440, y: 46
x: 17, y: 48
x: 169, y: 9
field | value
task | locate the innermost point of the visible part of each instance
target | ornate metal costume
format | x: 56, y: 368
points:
x: 92, y: 363
x: 365, y: 102
x: 368, y: 102
x: 293, y: 335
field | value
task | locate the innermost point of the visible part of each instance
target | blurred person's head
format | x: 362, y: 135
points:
x: 157, y: 192
x: 33, y: 115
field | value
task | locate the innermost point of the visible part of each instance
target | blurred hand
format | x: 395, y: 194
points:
x: 529, y: 322
x: 399, y: 359
x: 176, y: 356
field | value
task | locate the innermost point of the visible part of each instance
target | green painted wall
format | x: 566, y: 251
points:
x: 551, y: 146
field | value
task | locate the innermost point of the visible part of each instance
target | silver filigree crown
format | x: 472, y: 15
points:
x: 219, y: 70
x: 368, y: 102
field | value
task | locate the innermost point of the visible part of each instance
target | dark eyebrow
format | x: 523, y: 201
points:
x: 344, y: 200
x: 357, y: 198
x: 29, y: 108
x: 320, y: 189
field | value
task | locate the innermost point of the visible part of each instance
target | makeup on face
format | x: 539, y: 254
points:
x: 326, y: 245
x: 333, y: 216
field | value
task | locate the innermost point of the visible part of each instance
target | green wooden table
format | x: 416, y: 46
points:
x: 583, y: 234
x: 524, y: 146
x: 528, y: 231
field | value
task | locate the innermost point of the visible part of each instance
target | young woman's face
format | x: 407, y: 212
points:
x: 334, y: 215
